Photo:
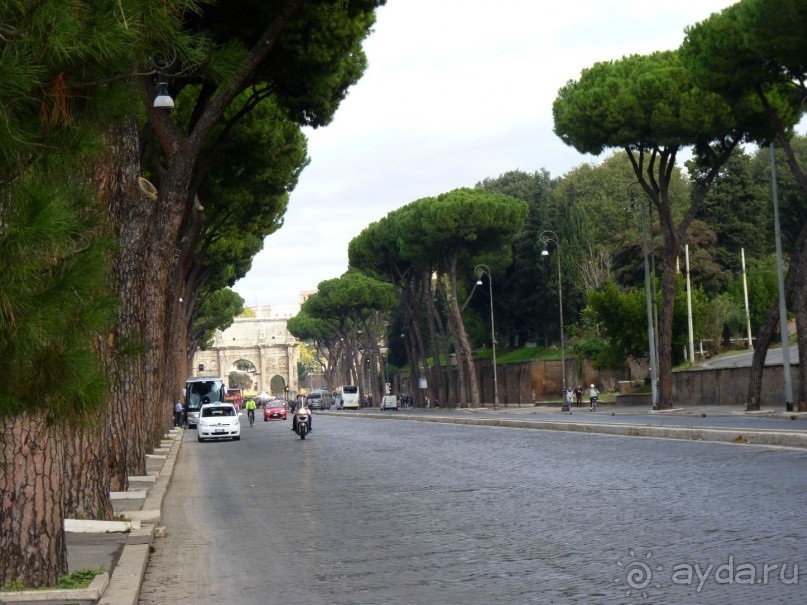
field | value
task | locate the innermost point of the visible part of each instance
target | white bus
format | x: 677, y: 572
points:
x: 346, y: 397
x: 200, y: 390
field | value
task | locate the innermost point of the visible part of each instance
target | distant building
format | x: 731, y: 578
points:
x: 262, y: 344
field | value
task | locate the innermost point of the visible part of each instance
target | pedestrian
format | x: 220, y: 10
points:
x: 178, y: 414
x: 578, y: 394
x: 569, y: 398
x: 593, y: 395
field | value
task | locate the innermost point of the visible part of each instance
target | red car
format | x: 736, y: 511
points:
x: 274, y: 410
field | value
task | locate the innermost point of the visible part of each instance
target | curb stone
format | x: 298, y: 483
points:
x: 744, y: 436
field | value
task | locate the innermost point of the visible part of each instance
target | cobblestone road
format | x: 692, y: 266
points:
x: 375, y: 512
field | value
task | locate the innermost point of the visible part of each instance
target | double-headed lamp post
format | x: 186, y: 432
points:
x: 546, y: 237
x: 485, y: 270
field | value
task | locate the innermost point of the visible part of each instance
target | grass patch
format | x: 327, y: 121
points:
x: 78, y: 579
x: 507, y: 355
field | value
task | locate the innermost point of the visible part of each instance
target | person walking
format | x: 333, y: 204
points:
x: 569, y: 398
x: 578, y: 395
x: 178, y: 414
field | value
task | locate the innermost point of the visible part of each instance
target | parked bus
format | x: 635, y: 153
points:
x: 346, y: 397
x: 200, y: 390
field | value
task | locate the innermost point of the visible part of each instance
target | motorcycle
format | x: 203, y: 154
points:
x: 303, y: 425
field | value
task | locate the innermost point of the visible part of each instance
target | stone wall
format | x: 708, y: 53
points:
x: 729, y: 386
x: 531, y: 381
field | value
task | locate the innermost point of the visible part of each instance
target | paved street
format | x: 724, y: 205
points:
x: 743, y: 360
x: 712, y: 416
x: 378, y: 512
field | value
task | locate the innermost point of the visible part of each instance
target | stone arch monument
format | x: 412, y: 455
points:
x: 264, y: 342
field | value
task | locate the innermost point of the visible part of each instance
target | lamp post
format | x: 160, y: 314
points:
x: 651, y: 333
x: 546, y: 237
x: 777, y: 233
x: 485, y: 270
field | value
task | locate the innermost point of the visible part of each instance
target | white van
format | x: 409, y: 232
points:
x: 389, y: 402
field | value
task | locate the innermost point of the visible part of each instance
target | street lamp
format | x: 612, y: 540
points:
x: 651, y: 333
x: 546, y: 237
x: 485, y: 270
x: 777, y: 233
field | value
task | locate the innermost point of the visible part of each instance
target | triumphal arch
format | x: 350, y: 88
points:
x: 260, y: 345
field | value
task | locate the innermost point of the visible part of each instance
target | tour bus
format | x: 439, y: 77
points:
x: 346, y: 397
x: 200, y: 390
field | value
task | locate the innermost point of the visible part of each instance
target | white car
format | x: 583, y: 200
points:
x: 218, y: 420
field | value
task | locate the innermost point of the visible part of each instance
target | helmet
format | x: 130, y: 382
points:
x: 592, y: 386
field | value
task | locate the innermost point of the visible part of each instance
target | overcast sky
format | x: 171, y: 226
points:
x: 456, y: 91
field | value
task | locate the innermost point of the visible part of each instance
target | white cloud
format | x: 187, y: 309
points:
x: 456, y: 91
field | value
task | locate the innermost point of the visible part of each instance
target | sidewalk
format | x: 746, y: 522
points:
x: 120, y: 547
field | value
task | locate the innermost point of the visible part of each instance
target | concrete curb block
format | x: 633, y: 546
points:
x: 124, y: 585
x: 79, y: 596
x: 91, y: 526
x: 736, y: 436
x: 127, y: 577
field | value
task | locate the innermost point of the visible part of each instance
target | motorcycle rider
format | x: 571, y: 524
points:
x: 301, y: 406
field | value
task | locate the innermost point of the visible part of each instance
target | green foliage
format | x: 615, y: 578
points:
x: 792, y: 203
x: 737, y: 209
x: 641, y: 100
x: 347, y: 298
x: 53, y: 300
x: 623, y: 317
x: 520, y: 288
x: 317, y: 57
x: 78, y: 579
x: 306, y: 327
x: 763, y: 288
x: 754, y: 44
x: 471, y: 222
x: 216, y: 312
x: 239, y: 380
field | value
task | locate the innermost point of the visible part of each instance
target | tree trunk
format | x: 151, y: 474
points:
x: 464, y: 344
x: 162, y: 292
x: 763, y: 341
x: 32, y: 541
x: 463, y: 398
x: 665, y: 328
x: 86, y: 472
x: 795, y: 273
x: 131, y: 216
